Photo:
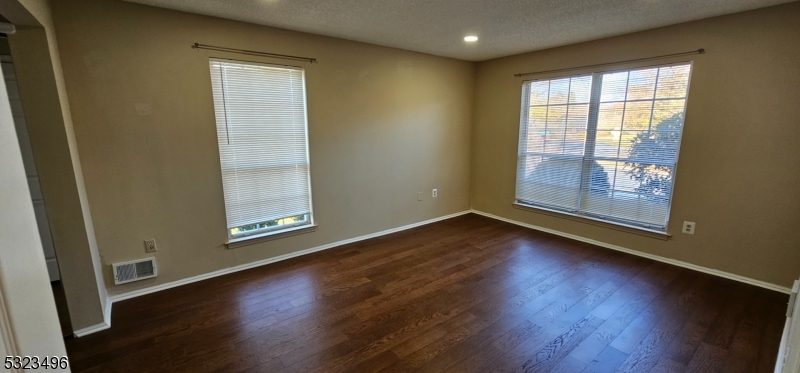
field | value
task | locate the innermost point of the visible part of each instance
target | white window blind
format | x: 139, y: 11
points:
x: 603, y: 145
x: 263, y: 146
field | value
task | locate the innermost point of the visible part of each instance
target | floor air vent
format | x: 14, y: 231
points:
x: 134, y: 270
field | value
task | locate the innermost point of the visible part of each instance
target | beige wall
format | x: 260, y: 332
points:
x: 144, y: 121
x: 37, y: 63
x: 379, y: 133
x: 738, y: 174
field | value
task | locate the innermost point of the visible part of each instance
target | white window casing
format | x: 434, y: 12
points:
x: 604, y: 145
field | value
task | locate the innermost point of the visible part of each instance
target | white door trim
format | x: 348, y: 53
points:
x: 28, y: 318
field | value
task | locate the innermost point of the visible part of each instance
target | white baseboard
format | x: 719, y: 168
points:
x: 97, y: 327
x: 132, y: 294
x: 90, y: 329
x: 189, y: 280
x: 107, y: 311
x: 662, y: 259
x: 221, y: 272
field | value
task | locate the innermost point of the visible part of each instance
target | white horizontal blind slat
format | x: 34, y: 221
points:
x: 635, y: 138
x: 261, y: 132
x: 638, y: 131
x: 552, y: 138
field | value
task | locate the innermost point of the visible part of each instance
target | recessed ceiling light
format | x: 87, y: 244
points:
x: 470, y: 38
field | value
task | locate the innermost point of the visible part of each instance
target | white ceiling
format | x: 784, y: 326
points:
x: 505, y: 27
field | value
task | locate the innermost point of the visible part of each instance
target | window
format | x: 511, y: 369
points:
x: 263, y: 146
x: 605, y: 145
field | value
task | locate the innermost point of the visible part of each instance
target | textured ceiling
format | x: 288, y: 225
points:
x: 438, y: 27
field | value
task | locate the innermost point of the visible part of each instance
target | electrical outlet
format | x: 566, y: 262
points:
x: 688, y: 227
x: 419, y: 196
x: 150, y: 245
x: 435, y: 193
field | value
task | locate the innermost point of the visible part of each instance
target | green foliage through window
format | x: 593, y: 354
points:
x: 265, y: 225
x: 655, y: 179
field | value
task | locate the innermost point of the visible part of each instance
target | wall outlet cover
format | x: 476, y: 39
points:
x: 150, y: 245
x: 688, y: 227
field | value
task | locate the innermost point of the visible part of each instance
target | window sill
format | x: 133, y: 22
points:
x: 597, y: 222
x: 269, y: 236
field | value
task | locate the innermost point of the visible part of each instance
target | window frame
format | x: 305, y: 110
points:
x: 274, y: 232
x: 589, y: 145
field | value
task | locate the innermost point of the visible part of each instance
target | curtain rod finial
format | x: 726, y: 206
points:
x: 701, y: 51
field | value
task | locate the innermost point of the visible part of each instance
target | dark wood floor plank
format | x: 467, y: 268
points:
x: 668, y: 366
x: 770, y: 341
x: 501, y: 315
x: 647, y: 353
x: 747, y: 338
x: 626, y: 304
x: 724, y: 327
x: 568, y: 364
x: 646, y: 286
x: 673, y: 315
x: 640, y: 327
x: 430, y: 351
x: 607, y: 362
x: 547, y: 357
x: 573, y: 313
x: 467, y: 294
x: 578, y: 295
x: 685, y: 344
x: 524, y: 354
x: 708, y: 359
x: 413, y: 345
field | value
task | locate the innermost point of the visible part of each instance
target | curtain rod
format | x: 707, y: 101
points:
x: 253, y: 53
x: 699, y: 51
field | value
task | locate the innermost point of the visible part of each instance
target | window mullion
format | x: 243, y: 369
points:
x: 591, y: 137
x: 525, y: 115
x: 523, y: 131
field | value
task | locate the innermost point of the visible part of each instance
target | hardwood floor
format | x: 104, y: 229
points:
x: 61, y: 307
x: 469, y: 294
